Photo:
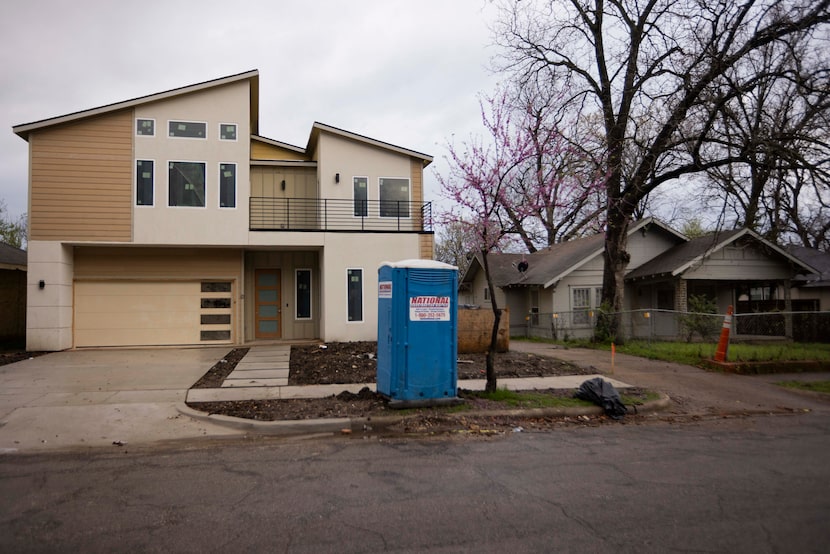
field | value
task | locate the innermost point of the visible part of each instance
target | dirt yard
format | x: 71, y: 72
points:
x: 342, y: 363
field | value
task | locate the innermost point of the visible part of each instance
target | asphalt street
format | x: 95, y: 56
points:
x: 738, y: 484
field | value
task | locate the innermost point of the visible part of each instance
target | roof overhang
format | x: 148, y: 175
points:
x: 24, y: 129
x: 318, y: 127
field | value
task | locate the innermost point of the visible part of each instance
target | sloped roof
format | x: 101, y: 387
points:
x: 11, y: 257
x: 816, y: 259
x: 677, y: 260
x: 318, y: 127
x: 24, y: 129
x: 550, y: 265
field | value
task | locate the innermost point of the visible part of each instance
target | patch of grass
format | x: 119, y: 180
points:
x: 515, y: 399
x: 814, y: 386
x: 647, y: 396
x: 693, y: 353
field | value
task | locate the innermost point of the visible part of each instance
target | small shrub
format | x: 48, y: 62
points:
x: 697, y: 319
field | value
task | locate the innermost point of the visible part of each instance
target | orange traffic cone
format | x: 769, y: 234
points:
x: 723, y: 343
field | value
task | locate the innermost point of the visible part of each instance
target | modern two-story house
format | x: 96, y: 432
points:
x: 168, y: 220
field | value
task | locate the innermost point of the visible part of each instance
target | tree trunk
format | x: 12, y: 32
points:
x: 613, y: 278
x: 494, y: 334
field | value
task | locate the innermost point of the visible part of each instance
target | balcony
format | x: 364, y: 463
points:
x: 337, y: 215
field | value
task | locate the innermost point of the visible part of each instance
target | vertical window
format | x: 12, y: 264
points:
x: 227, y: 131
x: 394, y: 197
x: 355, y: 294
x: 227, y: 185
x: 361, y: 196
x: 145, y: 127
x: 486, y: 293
x: 303, y: 300
x: 597, y: 297
x: 580, y: 305
x: 187, y: 129
x: 144, y: 183
x: 186, y: 184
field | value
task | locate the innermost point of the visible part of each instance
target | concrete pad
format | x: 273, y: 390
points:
x: 146, y: 396
x: 231, y: 383
x: 72, y: 399
x: 256, y: 354
x: 42, y: 428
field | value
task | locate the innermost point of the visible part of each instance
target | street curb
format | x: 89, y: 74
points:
x: 360, y: 424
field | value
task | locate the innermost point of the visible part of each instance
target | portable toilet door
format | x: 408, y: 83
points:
x: 417, y: 330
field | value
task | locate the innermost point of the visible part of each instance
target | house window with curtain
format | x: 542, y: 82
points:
x: 581, y: 305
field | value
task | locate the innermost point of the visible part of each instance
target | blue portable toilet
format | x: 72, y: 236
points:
x: 417, y: 332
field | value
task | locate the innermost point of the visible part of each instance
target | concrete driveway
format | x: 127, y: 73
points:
x: 97, y: 397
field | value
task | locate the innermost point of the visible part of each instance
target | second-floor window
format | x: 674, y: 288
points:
x: 144, y: 182
x: 394, y: 197
x: 187, y: 129
x: 361, y: 196
x: 227, y: 185
x: 145, y: 127
x: 186, y: 184
x: 227, y: 131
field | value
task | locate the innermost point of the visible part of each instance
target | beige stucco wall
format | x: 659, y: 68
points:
x: 161, y: 224
x: 49, y: 310
x: 364, y: 251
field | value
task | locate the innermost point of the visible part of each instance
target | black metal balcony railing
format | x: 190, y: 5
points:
x: 321, y: 214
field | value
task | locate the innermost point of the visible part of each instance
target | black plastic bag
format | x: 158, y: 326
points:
x: 602, y: 393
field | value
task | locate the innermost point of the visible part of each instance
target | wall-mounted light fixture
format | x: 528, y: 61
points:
x: 41, y: 284
x: 282, y: 184
x: 336, y: 177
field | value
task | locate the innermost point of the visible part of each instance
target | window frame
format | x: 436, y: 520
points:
x: 355, y: 200
x: 408, y: 198
x: 205, y: 187
x: 138, y: 119
x: 152, y: 184
x: 235, y: 182
x: 297, y: 272
x: 349, y: 271
x: 170, y: 123
x: 580, y: 309
x: 235, y: 132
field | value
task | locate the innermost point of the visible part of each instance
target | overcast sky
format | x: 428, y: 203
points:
x: 399, y: 71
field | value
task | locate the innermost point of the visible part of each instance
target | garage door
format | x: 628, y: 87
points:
x: 151, y: 313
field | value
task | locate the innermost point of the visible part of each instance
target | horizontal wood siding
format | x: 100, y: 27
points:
x: 81, y: 180
x: 261, y: 151
x: 156, y: 263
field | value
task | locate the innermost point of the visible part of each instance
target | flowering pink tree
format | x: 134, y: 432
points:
x: 518, y: 183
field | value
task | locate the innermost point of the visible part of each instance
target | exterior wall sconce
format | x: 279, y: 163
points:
x: 337, y: 178
x: 41, y: 284
x: 646, y: 315
x: 282, y: 184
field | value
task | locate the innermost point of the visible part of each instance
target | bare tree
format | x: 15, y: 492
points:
x: 780, y: 131
x: 656, y: 71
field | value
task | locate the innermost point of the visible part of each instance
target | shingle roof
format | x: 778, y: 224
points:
x: 678, y: 259
x: 816, y: 259
x: 548, y: 266
x: 11, y: 257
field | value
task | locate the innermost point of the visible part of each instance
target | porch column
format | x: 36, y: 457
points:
x: 788, y: 309
x: 681, y: 303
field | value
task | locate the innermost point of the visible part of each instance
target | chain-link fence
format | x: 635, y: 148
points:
x: 670, y: 325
